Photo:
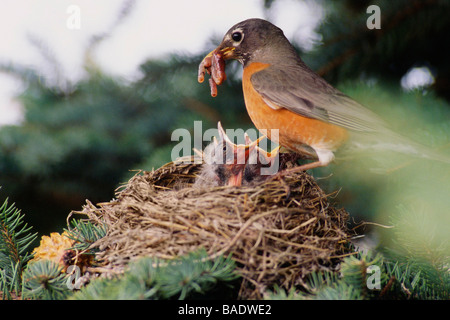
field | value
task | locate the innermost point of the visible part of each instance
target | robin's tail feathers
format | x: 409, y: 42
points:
x: 400, y: 144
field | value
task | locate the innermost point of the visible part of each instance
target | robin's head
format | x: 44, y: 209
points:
x: 255, y: 40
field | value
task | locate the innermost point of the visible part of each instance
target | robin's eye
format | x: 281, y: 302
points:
x: 236, y: 36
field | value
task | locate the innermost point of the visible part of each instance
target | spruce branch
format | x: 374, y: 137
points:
x: 151, y: 278
x: 418, y: 258
x: 15, y: 239
x: 14, y: 235
x: 415, y: 278
x: 99, y: 289
x: 195, y: 273
x: 43, y: 280
x: 10, y: 281
x: 85, y: 233
x: 348, y: 284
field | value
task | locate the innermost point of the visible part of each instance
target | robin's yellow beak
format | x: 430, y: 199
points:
x: 227, y: 52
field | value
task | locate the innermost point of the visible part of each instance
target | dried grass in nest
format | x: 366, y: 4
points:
x: 278, y: 231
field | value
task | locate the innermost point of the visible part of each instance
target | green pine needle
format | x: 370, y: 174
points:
x: 194, y: 273
x: 348, y: 284
x: 99, y: 289
x: 43, y: 280
x: 85, y: 233
x: 10, y: 281
x: 15, y: 240
x: 149, y: 278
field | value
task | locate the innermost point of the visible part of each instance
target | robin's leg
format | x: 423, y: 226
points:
x: 301, y: 168
x: 304, y: 167
x: 325, y: 157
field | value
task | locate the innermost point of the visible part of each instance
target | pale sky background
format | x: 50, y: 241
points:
x: 154, y: 28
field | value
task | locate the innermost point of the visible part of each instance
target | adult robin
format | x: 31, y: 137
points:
x: 281, y: 92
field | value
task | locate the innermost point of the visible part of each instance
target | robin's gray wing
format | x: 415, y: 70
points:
x: 298, y: 89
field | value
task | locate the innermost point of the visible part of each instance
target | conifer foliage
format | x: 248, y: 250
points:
x: 15, y: 240
x: 79, y: 140
x: 382, y: 275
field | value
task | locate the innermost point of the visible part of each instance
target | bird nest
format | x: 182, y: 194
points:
x: 277, y: 231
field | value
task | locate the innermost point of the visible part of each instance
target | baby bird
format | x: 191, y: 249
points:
x: 226, y: 163
x: 261, y: 164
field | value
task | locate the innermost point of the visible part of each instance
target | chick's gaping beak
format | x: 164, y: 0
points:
x: 235, y: 178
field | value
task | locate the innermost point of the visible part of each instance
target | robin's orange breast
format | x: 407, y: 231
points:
x: 294, y: 130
